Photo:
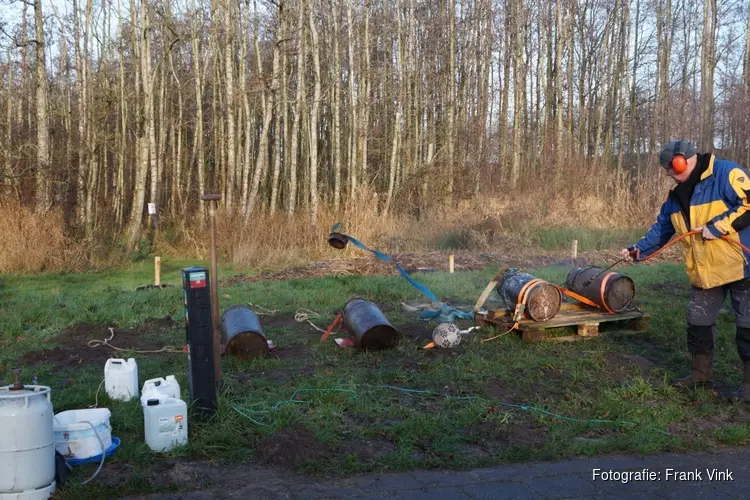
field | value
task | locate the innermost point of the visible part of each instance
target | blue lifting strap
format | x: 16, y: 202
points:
x: 445, y: 313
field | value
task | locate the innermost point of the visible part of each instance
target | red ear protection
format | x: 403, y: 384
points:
x: 679, y: 164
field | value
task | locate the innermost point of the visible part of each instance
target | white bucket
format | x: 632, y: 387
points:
x: 74, y: 438
x: 121, y: 379
x: 160, y: 388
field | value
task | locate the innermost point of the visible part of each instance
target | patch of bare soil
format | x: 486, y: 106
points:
x: 701, y: 426
x: 524, y: 430
x: 411, y: 262
x: 415, y: 331
x: 495, y: 438
x: 295, y: 352
x: 551, y: 389
x: 620, y: 366
x: 217, y: 480
x: 668, y: 287
x: 596, y: 436
x: 73, y: 349
x: 426, y: 262
x: 115, y: 474
x: 281, y: 321
x: 506, y: 393
x: 303, y: 365
x: 290, y: 447
x: 368, y: 449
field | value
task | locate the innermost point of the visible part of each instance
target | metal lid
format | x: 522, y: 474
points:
x: 6, y: 392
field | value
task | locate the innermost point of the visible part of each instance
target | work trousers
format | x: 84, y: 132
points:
x: 705, y: 304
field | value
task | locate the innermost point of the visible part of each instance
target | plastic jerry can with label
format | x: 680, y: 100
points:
x: 165, y: 423
x: 160, y: 387
x: 121, y: 379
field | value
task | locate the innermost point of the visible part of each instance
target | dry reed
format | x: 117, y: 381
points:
x: 612, y: 200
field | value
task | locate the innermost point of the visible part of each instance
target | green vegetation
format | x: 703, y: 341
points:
x: 588, y: 238
x: 353, y: 411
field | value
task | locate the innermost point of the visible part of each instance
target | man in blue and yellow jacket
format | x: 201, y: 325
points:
x: 711, y: 197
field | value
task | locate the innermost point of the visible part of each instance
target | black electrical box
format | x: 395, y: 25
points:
x: 200, y: 342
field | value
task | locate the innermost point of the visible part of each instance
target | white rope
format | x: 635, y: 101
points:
x: 104, y: 451
x: 302, y: 315
x: 264, y: 310
x: 98, y: 343
x: 96, y: 402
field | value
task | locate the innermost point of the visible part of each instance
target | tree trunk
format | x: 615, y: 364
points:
x: 519, y: 74
x: 198, y: 136
x: 146, y: 128
x: 560, y: 39
x: 507, y: 61
x: 43, y: 184
x: 260, y: 160
x: 279, y: 102
x: 664, y: 70
x: 353, y: 127
x: 634, y: 79
x: 451, y: 95
x: 314, y: 118
x: 336, y: 105
x: 297, y: 109
x: 708, y: 63
x: 231, y: 166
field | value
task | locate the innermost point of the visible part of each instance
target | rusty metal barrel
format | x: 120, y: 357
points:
x: 242, y: 334
x: 611, y: 291
x: 337, y: 240
x: 543, y: 299
x: 369, y: 326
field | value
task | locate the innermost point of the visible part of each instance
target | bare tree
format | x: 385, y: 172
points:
x: 708, y: 63
x: 43, y: 193
x: 145, y: 132
x: 297, y: 109
x: 315, y: 48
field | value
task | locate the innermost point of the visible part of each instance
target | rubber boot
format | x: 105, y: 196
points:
x: 744, y: 393
x: 702, y: 374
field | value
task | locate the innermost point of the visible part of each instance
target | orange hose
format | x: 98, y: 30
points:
x: 691, y: 233
x: 329, y: 330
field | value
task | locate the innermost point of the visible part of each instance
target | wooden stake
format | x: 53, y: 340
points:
x: 213, y: 200
x: 157, y: 271
x: 574, y: 253
x: 450, y: 264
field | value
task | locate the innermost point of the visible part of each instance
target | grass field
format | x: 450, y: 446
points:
x: 317, y: 408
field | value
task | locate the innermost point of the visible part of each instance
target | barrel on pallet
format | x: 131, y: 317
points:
x: 611, y: 291
x: 369, y: 326
x: 543, y: 299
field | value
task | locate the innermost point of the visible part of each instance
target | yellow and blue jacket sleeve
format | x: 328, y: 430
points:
x: 660, y: 233
x: 735, y: 190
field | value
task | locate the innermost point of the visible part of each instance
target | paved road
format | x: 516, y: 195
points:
x: 661, y: 477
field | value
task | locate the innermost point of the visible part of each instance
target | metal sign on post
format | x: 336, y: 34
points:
x: 200, y: 346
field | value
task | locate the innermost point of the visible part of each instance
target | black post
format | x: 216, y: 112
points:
x: 200, y: 332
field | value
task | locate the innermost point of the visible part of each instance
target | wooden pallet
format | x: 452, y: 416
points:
x: 585, y: 318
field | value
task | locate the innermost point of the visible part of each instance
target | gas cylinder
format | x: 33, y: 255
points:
x: 27, y: 444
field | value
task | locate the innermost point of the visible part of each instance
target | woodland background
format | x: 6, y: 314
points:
x: 403, y: 119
